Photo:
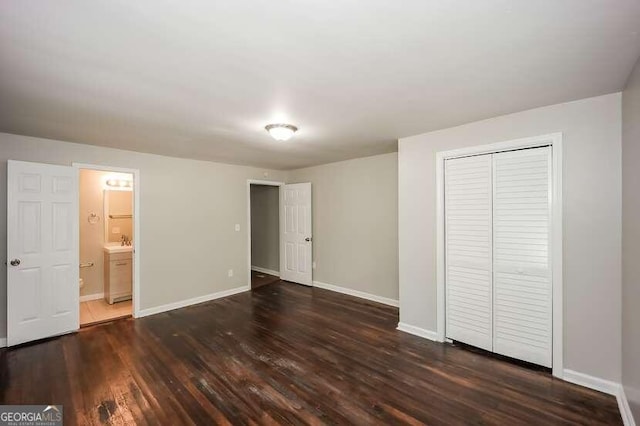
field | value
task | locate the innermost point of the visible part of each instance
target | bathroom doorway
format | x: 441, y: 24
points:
x: 264, y: 232
x: 108, y: 231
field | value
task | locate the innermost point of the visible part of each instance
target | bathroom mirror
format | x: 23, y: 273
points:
x: 118, y: 215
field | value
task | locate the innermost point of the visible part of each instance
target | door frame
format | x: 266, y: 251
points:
x: 554, y: 140
x: 136, y: 223
x: 265, y: 183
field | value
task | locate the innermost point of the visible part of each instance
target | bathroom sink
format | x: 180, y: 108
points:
x: 117, y: 248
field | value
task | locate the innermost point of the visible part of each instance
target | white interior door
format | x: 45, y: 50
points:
x: 42, y: 251
x: 522, y: 267
x: 468, y: 257
x: 295, y: 233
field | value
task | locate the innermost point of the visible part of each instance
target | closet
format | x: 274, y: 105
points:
x: 497, y: 258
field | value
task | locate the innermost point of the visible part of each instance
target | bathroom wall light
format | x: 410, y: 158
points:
x: 281, y: 132
x: 119, y: 184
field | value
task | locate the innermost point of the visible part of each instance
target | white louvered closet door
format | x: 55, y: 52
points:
x: 522, y: 292
x: 468, y: 255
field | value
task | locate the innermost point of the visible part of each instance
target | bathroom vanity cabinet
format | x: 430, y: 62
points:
x: 118, y: 276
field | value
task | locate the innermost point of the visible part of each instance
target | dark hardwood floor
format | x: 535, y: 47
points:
x: 258, y: 279
x: 284, y: 354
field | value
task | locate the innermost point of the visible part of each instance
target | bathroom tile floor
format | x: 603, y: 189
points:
x: 97, y: 311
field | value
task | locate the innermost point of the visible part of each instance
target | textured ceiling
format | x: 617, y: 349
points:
x: 200, y: 79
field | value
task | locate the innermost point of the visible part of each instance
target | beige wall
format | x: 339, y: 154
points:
x: 591, y: 221
x: 265, y: 227
x: 91, y: 234
x: 631, y: 241
x: 188, y: 241
x: 118, y: 203
x: 355, y: 223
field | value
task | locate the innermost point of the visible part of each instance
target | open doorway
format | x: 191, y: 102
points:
x: 264, y: 233
x: 106, y: 250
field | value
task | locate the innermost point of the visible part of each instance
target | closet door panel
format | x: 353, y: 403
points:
x: 522, y: 293
x: 468, y: 250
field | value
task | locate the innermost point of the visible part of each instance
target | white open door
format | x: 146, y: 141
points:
x: 295, y: 233
x: 42, y: 251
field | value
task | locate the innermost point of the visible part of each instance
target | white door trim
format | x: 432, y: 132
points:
x: 136, y: 223
x: 249, y: 183
x: 555, y: 141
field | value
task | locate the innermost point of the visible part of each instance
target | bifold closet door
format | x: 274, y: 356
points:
x: 468, y: 222
x: 522, y: 290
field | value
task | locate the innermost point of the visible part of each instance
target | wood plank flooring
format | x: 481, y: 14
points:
x: 284, y: 354
x: 258, y: 279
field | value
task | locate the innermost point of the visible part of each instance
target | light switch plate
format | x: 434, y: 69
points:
x: 115, y: 230
x: 237, y: 226
x: 230, y: 273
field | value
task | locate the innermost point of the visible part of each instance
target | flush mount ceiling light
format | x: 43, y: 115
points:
x: 281, y: 132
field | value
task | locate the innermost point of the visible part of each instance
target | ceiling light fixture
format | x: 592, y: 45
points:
x: 119, y: 184
x: 281, y: 132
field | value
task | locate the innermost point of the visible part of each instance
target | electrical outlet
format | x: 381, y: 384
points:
x: 313, y: 265
x: 237, y: 227
x: 230, y: 272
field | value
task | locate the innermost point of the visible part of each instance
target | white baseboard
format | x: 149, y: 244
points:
x: 591, y: 382
x: 625, y: 410
x: 265, y: 271
x: 417, y: 331
x: 605, y: 386
x: 94, y: 296
x: 192, y: 301
x: 356, y: 293
x: 3, y: 342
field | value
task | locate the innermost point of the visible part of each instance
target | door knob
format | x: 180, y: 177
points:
x: 15, y: 262
x: 307, y: 239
